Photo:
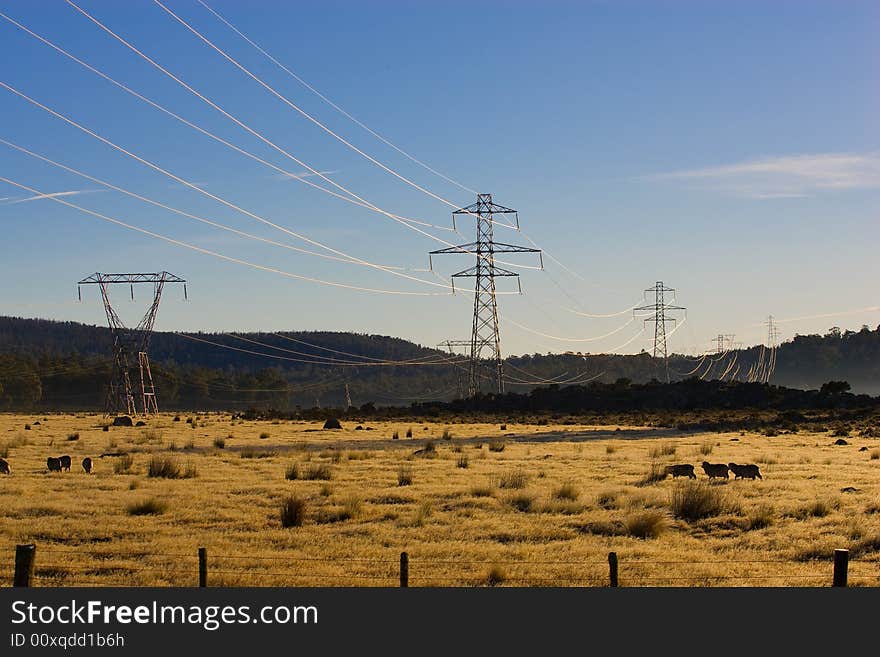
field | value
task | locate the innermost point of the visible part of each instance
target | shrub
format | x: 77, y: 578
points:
x: 219, y: 443
x: 706, y: 448
x: 409, y: 433
x: 521, y: 502
x: 106, y: 427
x: 610, y: 449
x: 4, y: 451
x: 176, y: 418
x: 462, y: 461
x: 326, y: 490
x: 395, y: 436
x: 264, y: 435
x: 27, y: 427
x: 292, y: 472
x: 317, y: 471
x: 447, y: 434
x: 503, y: 427
x: 496, y: 576
x: 293, y: 511
x: 123, y: 464
x: 516, y: 479
x: 566, y: 491
x: 875, y: 454
x: 497, y: 446
x: 646, y: 524
x: 404, y: 475
x: 73, y: 436
x: 693, y: 500
x: 151, y: 506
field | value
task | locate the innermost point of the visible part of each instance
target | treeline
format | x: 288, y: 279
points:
x: 66, y: 365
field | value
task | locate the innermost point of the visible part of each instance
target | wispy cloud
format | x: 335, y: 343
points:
x: 40, y: 197
x: 788, y: 176
x: 302, y: 174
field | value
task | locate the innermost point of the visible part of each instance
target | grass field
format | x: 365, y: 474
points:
x: 479, y: 505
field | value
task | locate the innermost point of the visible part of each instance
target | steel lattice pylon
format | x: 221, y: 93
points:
x: 658, y: 311
x: 129, y: 343
x: 485, y: 335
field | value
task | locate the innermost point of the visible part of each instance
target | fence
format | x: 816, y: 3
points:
x: 191, y: 569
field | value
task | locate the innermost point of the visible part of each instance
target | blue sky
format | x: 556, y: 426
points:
x: 728, y: 149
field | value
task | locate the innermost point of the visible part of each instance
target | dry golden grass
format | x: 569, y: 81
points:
x: 546, y: 509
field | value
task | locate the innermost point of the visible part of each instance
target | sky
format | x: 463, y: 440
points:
x: 728, y: 149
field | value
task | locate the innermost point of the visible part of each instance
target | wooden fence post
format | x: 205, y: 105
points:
x: 203, y: 567
x: 841, y: 564
x: 24, y: 564
x: 612, y: 569
x: 404, y: 570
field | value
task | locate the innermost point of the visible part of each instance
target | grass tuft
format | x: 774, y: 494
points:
x: 293, y: 511
x: 516, y: 480
x: 645, y: 524
x: 149, y: 507
x: 566, y: 491
x: 404, y: 475
x: 694, y: 500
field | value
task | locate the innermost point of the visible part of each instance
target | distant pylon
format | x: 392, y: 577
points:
x: 773, y: 344
x: 450, y: 345
x: 348, y: 403
x: 658, y: 311
x: 723, y: 342
x: 485, y: 334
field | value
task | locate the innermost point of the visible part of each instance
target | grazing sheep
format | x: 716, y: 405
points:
x: 87, y: 465
x: 4, y: 466
x: 715, y: 469
x: 65, y: 462
x: 747, y: 471
x: 54, y: 464
x: 681, y: 470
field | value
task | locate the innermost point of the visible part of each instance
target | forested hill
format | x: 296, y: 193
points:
x: 51, y: 364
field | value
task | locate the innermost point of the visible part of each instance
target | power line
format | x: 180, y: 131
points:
x: 334, y: 105
x: 251, y: 131
x: 194, y: 187
x: 204, y: 220
x: 203, y: 131
x: 295, y: 107
x: 215, y: 254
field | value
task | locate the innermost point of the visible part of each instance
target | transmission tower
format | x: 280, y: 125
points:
x: 130, y: 343
x: 659, y: 310
x: 450, y: 346
x: 772, y: 333
x: 347, y: 397
x: 485, y: 335
x: 723, y: 342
